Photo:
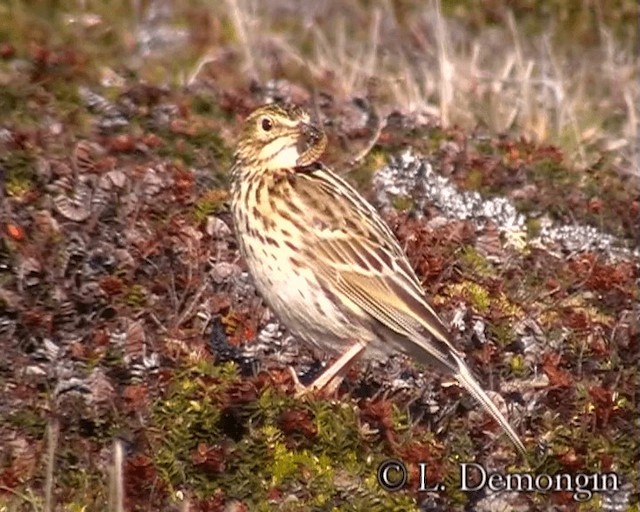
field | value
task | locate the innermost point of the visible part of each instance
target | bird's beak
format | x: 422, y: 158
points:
x: 311, y: 143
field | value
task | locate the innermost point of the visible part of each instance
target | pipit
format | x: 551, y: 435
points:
x: 325, y: 262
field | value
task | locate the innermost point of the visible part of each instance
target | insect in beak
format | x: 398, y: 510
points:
x: 310, y: 143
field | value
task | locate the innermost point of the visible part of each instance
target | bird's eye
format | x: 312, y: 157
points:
x: 266, y: 124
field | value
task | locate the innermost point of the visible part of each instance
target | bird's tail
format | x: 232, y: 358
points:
x: 468, y: 381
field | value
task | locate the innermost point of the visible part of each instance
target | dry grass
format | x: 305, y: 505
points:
x: 565, y: 73
x: 583, y: 97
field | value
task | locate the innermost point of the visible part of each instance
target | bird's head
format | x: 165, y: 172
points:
x: 279, y: 137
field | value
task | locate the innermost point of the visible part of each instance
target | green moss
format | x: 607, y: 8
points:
x: 195, y: 411
x: 204, y: 105
x: 429, y: 140
x: 362, y: 175
x: 30, y: 421
x: 20, y: 172
x: 476, y: 294
x: 477, y: 264
x: 474, y: 179
x: 403, y: 203
x: 485, y: 146
x: 506, y: 307
x: 136, y: 296
x: 502, y: 332
x: 289, y: 466
x: 517, y: 365
x: 551, y: 172
x: 202, y: 146
x: 534, y: 227
x: 113, y: 358
x: 10, y: 100
x: 210, y: 203
x: 87, y: 483
x: 68, y: 103
x: 336, y: 437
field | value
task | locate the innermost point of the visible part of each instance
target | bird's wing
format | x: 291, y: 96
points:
x: 357, y: 256
x: 372, y: 278
x: 359, y: 261
x: 394, y: 298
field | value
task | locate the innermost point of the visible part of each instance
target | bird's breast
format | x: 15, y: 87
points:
x: 273, y: 236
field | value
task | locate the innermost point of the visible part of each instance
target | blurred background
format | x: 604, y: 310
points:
x: 564, y: 72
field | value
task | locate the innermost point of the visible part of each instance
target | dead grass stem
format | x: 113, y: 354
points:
x: 502, y: 77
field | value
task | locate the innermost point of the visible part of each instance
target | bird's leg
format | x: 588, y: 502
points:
x: 297, y: 385
x: 331, y: 378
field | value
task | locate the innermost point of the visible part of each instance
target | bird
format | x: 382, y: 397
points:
x: 324, y: 260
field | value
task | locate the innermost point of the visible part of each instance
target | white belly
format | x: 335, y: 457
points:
x: 298, y: 301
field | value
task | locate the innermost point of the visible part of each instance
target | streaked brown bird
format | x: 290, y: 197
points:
x: 324, y: 260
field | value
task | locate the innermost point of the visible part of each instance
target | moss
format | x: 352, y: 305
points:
x: 335, y: 423
x: 30, y: 421
x: 20, y: 173
x: 517, y: 365
x: 204, y: 105
x: 191, y: 414
x: 136, y: 296
x: 210, y: 431
x: 477, y: 295
x: 265, y: 459
x: 506, y: 307
x: 474, y: 179
x: 551, y: 172
x: 202, y: 145
x: 598, y: 446
x: 362, y: 175
x: 288, y: 467
x: 403, y: 203
x: 68, y: 105
x: 580, y: 303
x: 534, y: 227
x: 485, y: 146
x: 502, y: 332
x: 210, y: 203
x: 10, y: 100
x: 86, y: 483
x: 472, y: 260
x: 430, y: 139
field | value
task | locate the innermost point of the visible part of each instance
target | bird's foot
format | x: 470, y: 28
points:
x: 329, y: 381
x: 320, y: 387
x: 299, y: 388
